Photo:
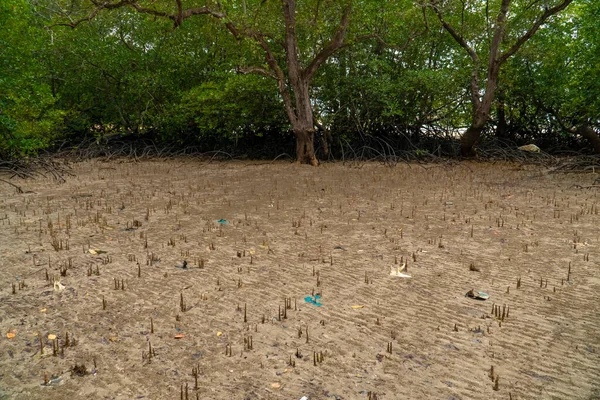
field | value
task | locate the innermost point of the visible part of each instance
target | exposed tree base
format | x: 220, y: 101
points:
x: 314, y: 163
x: 467, y: 151
x: 468, y: 141
x: 305, y: 147
x: 310, y: 161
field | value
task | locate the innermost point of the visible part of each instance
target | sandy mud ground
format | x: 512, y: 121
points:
x: 94, y: 303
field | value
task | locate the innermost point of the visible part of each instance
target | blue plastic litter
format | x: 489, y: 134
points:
x: 310, y: 299
x: 223, y: 221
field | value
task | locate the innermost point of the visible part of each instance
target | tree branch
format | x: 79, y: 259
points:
x: 291, y: 44
x: 93, y: 13
x: 176, y: 18
x: 336, y: 43
x: 498, y: 33
x: 399, y: 48
x: 457, y: 36
x: 277, y: 73
x: 257, y: 70
x: 122, y: 37
x: 404, y: 46
x: 540, y: 21
x: 475, y: 100
x: 494, y: 65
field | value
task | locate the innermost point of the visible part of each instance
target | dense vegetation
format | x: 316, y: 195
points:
x: 266, y: 77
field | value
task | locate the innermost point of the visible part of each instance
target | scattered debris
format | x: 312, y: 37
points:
x: 58, y: 287
x: 79, y: 370
x: 223, y: 221
x: 53, y: 381
x: 356, y: 307
x: 11, y: 334
x: 399, y: 271
x: 179, y: 336
x: 276, y: 385
x: 310, y: 299
x: 473, y: 294
x: 97, y: 251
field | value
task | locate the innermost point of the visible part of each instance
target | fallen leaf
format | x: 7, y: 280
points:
x: 97, y: 251
x: 113, y: 338
x: 275, y: 385
x: 51, y: 336
x: 219, y: 333
x: 355, y: 307
x: 179, y: 336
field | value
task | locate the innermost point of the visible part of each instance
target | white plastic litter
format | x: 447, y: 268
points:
x: 58, y: 287
x: 399, y: 271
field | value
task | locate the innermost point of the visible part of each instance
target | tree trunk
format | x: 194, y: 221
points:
x: 301, y: 117
x: 591, y: 136
x: 305, y: 146
x: 481, y: 109
x: 471, y: 136
x: 468, y: 140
